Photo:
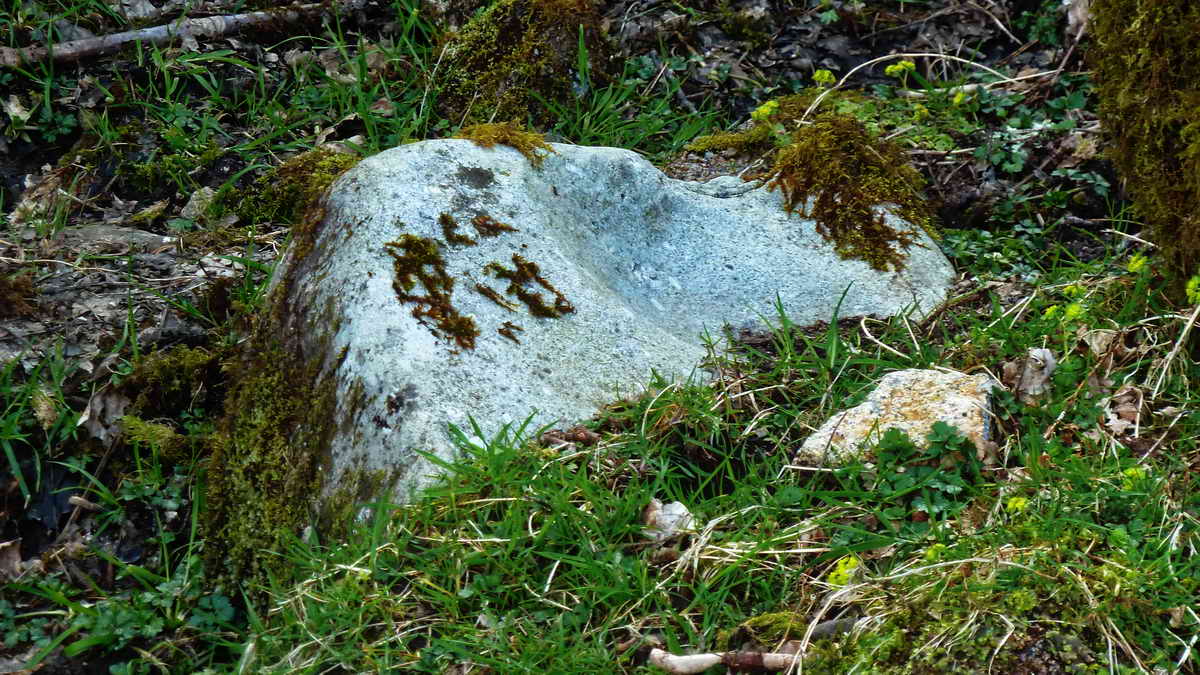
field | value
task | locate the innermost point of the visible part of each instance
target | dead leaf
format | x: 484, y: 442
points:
x: 10, y: 560
x: 102, y: 416
x: 664, y: 521
x: 198, y: 203
x: 1030, y: 377
x: 43, y: 407
x: 151, y: 213
x: 1078, y: 13
x: 1099, y: 341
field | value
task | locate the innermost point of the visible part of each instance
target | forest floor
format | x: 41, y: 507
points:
x: 144, y: 207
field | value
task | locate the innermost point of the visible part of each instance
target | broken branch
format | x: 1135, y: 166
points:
x: 213, y: 26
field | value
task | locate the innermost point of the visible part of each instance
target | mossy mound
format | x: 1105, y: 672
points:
x: 283, y: 194
x: 1147, y: 63
x: 835, y: 172
x: 495, y: 64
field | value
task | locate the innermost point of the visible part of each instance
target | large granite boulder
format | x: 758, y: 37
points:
x: 447, y: 283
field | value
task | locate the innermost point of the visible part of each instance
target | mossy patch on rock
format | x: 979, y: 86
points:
x: 1147, y: 63
x: 417, y: 259
x: 845, y: 170
x: 264, y: 473
x: 528, y: 143
x: 514, y: 48
x: 835, y: 172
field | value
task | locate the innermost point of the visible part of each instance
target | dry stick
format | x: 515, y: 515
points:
x: 1162, y: 373
x: 698, y: 663
x: 214, y: 26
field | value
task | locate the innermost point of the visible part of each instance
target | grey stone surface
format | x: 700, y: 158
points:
x: 649, y: 265
x: 910, y: 400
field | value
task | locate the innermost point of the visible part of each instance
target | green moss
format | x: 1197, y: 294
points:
x: 742, y: 25
x: 511, y: 134
x: 1147, y: 65
x: 759, y: 136
x: 771, y: 629
x: 162, y: 436
x: 168, y: 382
x: 514, y: 48
x: 165, y: 170
x: 854, y: 174
x: 286, y: 193
x: 264, y: 465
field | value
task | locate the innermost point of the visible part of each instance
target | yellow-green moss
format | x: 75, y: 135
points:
x: 283, y: 194
x: 161, y: 436
x: 265, y: 472
x: 514, y: 48
x: 836, y: 173
x: 528, y: 143
x: 759, y: 136
x: 1147, y: 63
x: 766, y: 630
x: 168, y: 382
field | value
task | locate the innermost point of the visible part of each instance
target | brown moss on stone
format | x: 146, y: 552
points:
x: 836, y: 173
x: 491, y: 294
x: 508, y: 330
x: 523, y: 273
x: 488, y: 226
x: 528, y: 143
x: 417, y: 259
x: 502, y: 56
x: 1147, y: 65
x: 450, y: 231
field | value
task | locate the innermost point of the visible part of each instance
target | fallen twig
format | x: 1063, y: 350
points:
x: 698, y: 663
x: 213, y: 26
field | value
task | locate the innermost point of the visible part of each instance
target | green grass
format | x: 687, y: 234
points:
x: 1075, y: 539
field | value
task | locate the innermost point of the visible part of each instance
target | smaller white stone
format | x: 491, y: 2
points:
x: 909, y: 400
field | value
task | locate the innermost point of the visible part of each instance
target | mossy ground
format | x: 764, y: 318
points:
x: 515, y: 49
x: 286, y: 192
